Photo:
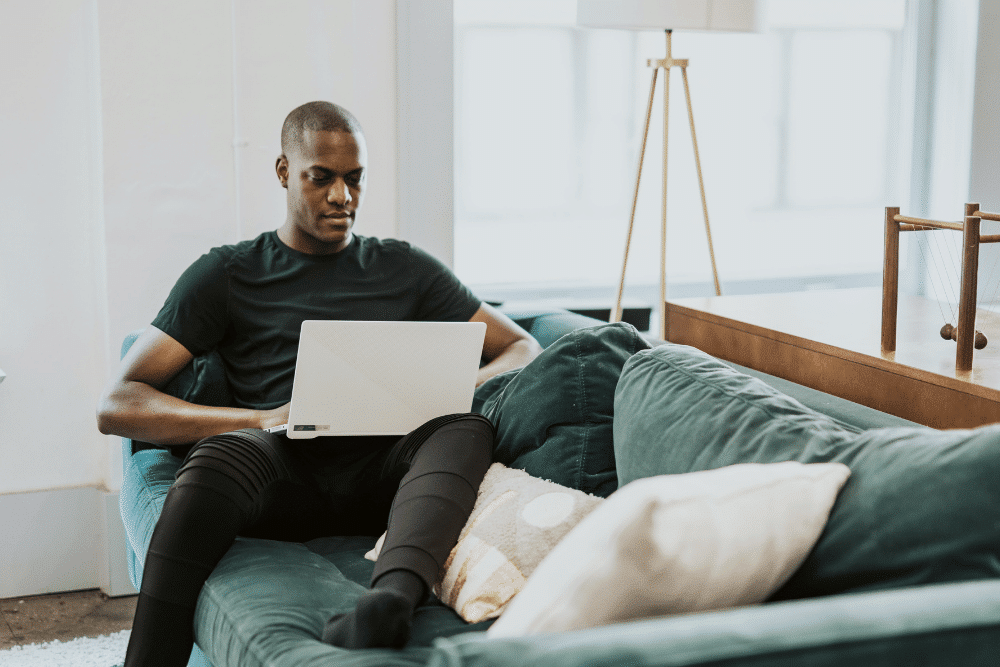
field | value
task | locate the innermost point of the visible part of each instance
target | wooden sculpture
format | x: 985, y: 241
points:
x: 963, y: 331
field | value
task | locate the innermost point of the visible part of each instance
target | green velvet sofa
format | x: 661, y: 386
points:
x: 907, y: 571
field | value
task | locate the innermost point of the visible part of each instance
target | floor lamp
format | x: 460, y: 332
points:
x: 667, y: 15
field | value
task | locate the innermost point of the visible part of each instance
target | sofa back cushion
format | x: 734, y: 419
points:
x: 554, y: 417
x: 919, y: 507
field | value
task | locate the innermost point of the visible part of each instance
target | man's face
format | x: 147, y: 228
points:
x: 326, y: 184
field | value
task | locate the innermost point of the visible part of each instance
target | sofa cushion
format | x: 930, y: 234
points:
x: 547, y: 325
x: 676, y: 544
x: 554, y: 417
x: 942, y: 625
x: 920, y: 506
x: 266, y: 603
x: 146, y: 480
x: 848, y: 413
x: 488, y: 391
x: 516, y: 522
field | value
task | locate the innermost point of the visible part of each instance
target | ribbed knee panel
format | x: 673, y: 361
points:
x: 249, y: 460
x: 214, y: 497
x: 448, y: 458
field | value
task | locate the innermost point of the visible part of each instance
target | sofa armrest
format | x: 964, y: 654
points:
x: 942, y: 624
x: 547, y: 325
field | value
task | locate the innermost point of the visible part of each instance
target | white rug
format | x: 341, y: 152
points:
x: 104, y: 651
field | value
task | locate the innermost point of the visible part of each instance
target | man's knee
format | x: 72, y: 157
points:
x: 463, y: 445
x: 239, y: 464
x: 472, y: 433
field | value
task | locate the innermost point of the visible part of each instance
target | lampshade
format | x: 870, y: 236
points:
x: 729, y: 15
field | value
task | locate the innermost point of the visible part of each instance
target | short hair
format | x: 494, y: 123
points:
x: 325, y: 116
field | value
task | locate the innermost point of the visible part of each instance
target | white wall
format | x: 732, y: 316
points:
x: 287, y: 53
x: 137, y: 135
x: 51, y: 292
x: 194, y: 96
x: 425, y: 164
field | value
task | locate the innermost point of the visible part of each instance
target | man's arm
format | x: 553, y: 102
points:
x: 507, y: 345
x: 134, y: 407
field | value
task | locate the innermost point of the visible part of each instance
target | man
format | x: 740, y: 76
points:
x: 248, y: 301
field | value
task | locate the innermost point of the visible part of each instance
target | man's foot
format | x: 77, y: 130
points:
x: 381, y: 619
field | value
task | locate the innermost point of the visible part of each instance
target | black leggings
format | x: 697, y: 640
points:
x: 251, y: 483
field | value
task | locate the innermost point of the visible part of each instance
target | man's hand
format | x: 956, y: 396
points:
x: 275, y: 417
x: 507, y: 346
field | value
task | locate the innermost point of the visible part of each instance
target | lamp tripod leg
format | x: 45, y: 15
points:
x: 663, y: 202
x: 701, y: 183
x: 616, y: 311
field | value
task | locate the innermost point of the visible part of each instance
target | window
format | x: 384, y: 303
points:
x: 797, y: 131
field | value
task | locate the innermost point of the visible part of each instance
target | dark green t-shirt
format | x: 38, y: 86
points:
x: 248, y: 301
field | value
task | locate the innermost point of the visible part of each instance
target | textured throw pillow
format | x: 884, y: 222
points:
x: 678, y: 543
x: 920, y: 506
x: 516, y: 521
x: 554, y: 417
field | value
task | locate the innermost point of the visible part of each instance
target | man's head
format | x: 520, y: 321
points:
x: 323, y: 165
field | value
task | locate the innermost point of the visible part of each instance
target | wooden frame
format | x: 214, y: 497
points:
x: 963, y: 332
x: 828, y: 340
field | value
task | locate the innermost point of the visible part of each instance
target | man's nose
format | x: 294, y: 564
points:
x: 339, y: 193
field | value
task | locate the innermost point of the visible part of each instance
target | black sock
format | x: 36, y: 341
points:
x: 383, y: 615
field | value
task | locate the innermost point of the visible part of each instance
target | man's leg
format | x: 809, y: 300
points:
x: 219, y: 491
x: 447, y: 459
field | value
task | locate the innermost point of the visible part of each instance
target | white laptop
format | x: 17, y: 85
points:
x: 381, y: 378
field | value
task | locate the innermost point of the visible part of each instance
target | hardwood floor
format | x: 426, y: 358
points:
x: 63, y: 616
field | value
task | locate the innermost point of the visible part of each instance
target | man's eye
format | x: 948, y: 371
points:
x: 318, y: 178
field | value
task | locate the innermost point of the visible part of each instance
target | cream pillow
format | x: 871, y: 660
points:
x: 516, y: 521
x: 679, y: 543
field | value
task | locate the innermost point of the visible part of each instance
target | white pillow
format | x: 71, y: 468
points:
x: 516, y: 521
x: 679, y: 543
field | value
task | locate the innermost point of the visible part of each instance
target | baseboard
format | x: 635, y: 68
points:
x: 62, y: 540
x: 113, y: 576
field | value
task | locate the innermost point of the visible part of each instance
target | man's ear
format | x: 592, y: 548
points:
x: 281, y: 168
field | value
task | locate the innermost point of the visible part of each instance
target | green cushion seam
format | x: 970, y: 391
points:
x: 142, y: 475
x: 232, y: 627
x: 585, y: 418
x: 735, y: 396
x: 585, y: 413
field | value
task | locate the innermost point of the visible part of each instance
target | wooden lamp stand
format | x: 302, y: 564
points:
x: 666, y: 64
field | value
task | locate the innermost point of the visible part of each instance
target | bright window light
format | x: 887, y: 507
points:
x: 797, y: 128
